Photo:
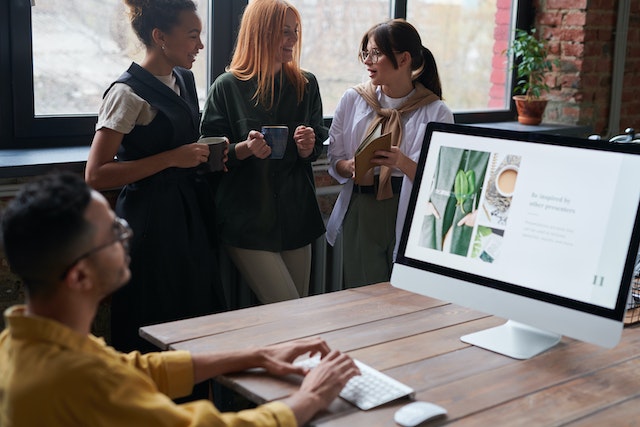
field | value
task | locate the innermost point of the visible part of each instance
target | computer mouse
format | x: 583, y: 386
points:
x: 415, y: 413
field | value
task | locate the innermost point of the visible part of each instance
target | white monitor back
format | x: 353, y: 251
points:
x: 539, y: 229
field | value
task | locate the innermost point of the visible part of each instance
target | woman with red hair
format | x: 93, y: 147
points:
x: 267, y: 211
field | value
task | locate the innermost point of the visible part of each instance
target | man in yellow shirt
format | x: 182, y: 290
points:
x: 70, y: 250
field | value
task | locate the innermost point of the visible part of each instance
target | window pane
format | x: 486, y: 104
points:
x: 467, y: 38
x: 81, y: 46
x: 331, y: 31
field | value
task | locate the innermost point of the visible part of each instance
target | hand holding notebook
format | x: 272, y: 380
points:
x: 373, y: 142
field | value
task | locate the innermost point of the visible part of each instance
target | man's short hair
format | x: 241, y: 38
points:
x: 44, y: 229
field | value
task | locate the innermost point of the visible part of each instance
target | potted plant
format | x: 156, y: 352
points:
x: 531, y: 62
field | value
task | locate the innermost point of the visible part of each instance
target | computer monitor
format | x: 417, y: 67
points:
x: 538, y: 229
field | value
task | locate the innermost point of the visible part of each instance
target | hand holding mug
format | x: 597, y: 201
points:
x: 189, y: 155
x: 257, y: 145
x: 218, y: 149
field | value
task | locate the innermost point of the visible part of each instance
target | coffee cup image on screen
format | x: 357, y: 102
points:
x: 216, y: 144
x: 506, y: 180
x: 500, y: 189
x: 276, y: 138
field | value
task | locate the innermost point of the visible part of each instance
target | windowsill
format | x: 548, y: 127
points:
x: 551, y: 128
x: 22, y: 163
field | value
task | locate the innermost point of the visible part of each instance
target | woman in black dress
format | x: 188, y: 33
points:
x: 145, y: 142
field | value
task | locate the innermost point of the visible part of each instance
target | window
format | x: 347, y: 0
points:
x: 463, y: 38
x: 331, y: 34
x: 467, y: 38
x: 80, y: 47
x: 64, y: 53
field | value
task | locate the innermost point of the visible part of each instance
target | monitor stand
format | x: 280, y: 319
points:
x: 513, y: 339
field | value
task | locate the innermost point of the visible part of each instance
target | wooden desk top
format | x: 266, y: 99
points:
x: 416, y: 340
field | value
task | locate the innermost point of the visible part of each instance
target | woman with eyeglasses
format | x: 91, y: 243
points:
x: 402, y: 96
x: 145, y: 142
x: 266, y: 208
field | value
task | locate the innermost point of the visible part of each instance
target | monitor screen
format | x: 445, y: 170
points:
x: 539, y: 229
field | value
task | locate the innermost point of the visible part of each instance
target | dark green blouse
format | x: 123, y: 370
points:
x: 265, y: 204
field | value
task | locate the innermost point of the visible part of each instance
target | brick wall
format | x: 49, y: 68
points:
x: 499, y: 62
x: 10, y: 286
x: 581, y: 34
x: 11, y: 291
x: 584, y: 45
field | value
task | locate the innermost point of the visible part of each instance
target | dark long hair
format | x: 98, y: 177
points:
x: 397, y: 35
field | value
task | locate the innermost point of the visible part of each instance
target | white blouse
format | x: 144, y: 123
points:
x: 350, y: 122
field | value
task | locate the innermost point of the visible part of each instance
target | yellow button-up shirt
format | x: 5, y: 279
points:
x: 53, y: 376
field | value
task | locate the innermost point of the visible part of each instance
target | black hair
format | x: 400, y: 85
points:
x: 145, y: 15
x: 44, y: 229
x: 397, y: 35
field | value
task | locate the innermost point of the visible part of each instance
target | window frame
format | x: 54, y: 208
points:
x: 26, y: 125
x: 19, y: 128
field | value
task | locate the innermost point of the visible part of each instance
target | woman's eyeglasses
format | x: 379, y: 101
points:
x: 122, y: 233
x: 373, y: 53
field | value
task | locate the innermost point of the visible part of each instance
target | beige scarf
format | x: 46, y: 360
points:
x: 391, y: 122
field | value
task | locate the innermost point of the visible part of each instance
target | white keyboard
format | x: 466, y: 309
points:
x: 371, y: 389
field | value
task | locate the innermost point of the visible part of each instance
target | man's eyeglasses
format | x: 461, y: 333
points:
x: 122, y: 232
x: 373, y: 53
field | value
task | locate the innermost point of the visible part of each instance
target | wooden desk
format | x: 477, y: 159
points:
x: 415, y: 339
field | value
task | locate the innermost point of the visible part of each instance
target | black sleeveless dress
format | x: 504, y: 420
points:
x: 174, y: 271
